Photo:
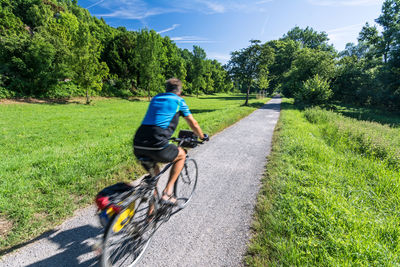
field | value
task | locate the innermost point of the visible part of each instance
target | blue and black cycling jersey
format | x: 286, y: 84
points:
x: 161, y: 120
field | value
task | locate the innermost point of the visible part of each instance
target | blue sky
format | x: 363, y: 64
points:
x: 223, y: 26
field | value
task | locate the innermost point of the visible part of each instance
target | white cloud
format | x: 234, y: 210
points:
x: 190, y: 40
x: 345, y: 2
x: 173, y: 27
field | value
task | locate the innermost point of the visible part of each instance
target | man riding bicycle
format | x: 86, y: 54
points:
x: 152, y: 138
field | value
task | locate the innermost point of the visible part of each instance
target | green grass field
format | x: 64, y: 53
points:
x: 331, y: 193
x: 55, y: 157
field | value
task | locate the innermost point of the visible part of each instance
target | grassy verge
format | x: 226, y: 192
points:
x: 331, y: 194
x: 56, y: 157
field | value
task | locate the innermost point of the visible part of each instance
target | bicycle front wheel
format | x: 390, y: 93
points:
x: 186, y: 183
x: 128, y: 235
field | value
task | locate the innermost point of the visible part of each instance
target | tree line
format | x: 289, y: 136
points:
x: 56, y: 49
x: 303, y: 65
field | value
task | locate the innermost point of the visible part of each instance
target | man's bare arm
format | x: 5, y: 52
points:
x: 194, y: 126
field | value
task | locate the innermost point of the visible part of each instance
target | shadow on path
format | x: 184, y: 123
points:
x: 73, y: 244
x: 273, y: 106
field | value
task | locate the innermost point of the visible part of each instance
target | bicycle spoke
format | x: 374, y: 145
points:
x: 120, y: 252
x: 125, y: 246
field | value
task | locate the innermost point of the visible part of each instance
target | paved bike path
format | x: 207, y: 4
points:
x: 212, y: 231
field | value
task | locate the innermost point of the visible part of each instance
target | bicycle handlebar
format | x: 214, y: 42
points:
x: 187, y: 139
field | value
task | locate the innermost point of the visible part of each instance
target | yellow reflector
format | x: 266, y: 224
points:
x: 124, y: 218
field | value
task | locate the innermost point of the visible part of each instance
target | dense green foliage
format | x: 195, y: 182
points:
x: 58, y: 156
x: 54, y: 48
x: 315, y: 91
x: 331, y: 195
x: 366, y: 74
x: 369, y: 72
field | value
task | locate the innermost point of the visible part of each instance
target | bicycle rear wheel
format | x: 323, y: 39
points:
x: 186, y: 183
x: 128, y: 235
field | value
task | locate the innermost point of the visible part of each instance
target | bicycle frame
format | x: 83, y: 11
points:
x: 147, y: 193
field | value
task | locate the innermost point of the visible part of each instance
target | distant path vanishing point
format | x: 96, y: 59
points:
x: 213, y: 230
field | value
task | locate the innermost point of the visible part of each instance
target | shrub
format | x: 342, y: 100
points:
x: 62, y: 90
x: 314, y: 92
x: 4, y: 93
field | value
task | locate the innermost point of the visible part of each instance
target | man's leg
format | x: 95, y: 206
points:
x: 175, y: 171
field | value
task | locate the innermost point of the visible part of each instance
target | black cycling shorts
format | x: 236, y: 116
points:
x: 165, y: 155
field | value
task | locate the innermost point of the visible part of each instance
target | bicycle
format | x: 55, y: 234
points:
x: 130, y: 231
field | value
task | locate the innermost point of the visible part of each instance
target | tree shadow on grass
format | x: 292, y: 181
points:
x: 225, y: 98
x: 373, y: 115
x: 39, y: 101
x: 197, y: 111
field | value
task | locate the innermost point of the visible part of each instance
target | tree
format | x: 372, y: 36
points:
x: 246, y: 65
x: 284, y: 54
x: 120, y: 54
x: 314, y: 92
x: 149, y: 54
x: 89, y: 71
x: 174, y: 65
x: 390, y: 22
x: 309, y: 38
x: 308, y: 63
x: 199, y: 69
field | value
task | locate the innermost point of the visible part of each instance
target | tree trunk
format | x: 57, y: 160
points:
x: 247, y: 96
x: 87, y: 97
x: 149, y: 95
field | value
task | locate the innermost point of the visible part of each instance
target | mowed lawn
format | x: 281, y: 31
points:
x: 331, y: 194
x: 55, y: 157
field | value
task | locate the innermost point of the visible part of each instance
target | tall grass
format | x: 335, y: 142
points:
x: 54, y: 158
x: 331, y: 194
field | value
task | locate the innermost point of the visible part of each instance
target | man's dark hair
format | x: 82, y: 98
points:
x: 173, y: 85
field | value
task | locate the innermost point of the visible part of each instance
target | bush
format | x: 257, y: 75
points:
x: 4, y: 93
x: 62, y: 90
x: 314, y: 92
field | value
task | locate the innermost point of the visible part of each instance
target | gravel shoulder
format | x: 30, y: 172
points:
x: 212, y: 231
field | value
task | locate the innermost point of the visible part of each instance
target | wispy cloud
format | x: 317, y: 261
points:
x: 191, y: 40
x: 340, y: 36
x: 95, y: 4
x: 140, y: 9
x: 173, y: 27
x: 264, y: 26
x: 213, y: 7
x: 133, y: 9
x: 345, y: 2
x: 263, y: 2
